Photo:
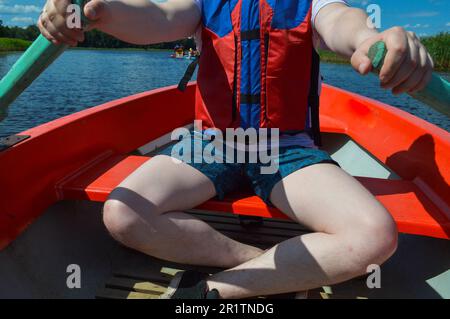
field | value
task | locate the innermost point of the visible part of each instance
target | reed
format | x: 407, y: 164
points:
x: 9, y: 44
x: 439, y: 48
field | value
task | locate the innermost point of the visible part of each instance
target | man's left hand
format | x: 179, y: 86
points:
x: 407, y: 67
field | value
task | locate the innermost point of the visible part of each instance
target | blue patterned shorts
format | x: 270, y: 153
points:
x: 229, y: 177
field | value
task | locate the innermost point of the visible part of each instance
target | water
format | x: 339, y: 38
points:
x: 81, y: 79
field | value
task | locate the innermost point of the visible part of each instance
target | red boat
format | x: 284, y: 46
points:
x: 79, y: 159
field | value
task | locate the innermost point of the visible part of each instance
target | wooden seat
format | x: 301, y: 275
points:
x: 412, y: 210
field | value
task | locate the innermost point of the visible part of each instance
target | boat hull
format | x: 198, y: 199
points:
x: 415, y: 150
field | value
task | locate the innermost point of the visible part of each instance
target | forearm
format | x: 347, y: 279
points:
x: 343, y: 28
x: 146, y: 21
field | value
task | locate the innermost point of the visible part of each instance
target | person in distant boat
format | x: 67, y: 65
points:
x: 178, y: 51
x: 257, y: 70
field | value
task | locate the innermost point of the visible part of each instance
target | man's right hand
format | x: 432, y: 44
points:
x: 53, y: 21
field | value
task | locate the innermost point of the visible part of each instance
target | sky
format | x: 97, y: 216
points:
x: 424, y: 17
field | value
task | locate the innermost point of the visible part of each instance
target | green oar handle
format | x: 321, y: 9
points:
x: 30, y: 65
x: 436, y: 94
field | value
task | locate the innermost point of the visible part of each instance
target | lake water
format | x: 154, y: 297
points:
x: 83, y: 78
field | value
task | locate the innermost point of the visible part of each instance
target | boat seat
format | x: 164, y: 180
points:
x: 412, y: 210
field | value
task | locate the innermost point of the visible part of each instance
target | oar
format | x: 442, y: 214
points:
x: 436, y: 94
x: 30, y: 65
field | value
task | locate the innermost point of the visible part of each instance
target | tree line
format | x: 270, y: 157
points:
x: 437, y: 45
x: 93, y: 39
x: 29, y: 33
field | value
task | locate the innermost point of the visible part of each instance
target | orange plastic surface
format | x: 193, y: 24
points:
x: 413, y: 212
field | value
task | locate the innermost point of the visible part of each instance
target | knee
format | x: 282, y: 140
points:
x: 383, y: 238
x: 120, y: 220
x: 373, y: 241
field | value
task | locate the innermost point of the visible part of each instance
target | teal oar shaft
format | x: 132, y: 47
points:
x: 437, y: 92
x: 30, y: 65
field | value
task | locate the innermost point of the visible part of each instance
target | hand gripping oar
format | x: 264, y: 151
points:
x: 436, y: 94
x: 30, y: 65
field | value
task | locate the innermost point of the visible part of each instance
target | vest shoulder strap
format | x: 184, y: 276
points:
x: 188, y: 75
x: 314, y: 98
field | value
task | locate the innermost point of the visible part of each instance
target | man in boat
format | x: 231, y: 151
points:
x: 256, y: 70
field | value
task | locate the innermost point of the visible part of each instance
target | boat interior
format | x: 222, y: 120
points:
x: 70, y: 232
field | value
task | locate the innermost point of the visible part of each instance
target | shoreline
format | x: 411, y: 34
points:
x: 325, y: 56
x: 18, y: 50
x: 120, y: 49
x: 8, y: 45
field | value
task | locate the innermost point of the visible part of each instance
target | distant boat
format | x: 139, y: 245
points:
x: 175, y: 56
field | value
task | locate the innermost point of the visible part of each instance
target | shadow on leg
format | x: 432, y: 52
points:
x: 145, y: 213
x: 352, y: 231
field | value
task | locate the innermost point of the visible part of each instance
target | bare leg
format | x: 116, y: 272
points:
x: 353, y: 230
x: 144, y: 213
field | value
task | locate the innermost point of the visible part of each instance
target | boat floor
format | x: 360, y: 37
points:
x: 35, y: 265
